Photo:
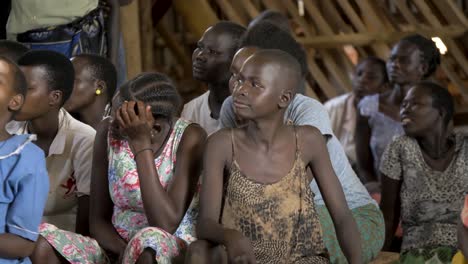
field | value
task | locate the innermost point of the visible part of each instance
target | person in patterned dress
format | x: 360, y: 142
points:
x: 262, y: 209
x: 424, y: 174
x: 146, y: 167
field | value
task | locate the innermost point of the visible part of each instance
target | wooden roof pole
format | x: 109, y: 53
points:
x: 197, y: 21
x: 130, y: 27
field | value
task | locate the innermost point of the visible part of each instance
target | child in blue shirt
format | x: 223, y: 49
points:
x: 24, y: 183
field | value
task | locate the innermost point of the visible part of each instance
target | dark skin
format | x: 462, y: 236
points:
x: 405, y: 68
x: 41, y: 110
x: 210, y: 64
x: 463, y: 229
x: 164, y: 208
x: 265, y: 153
x: 237, y: 61
x: 427, y: 125
x: 84, y: 100
x: 13, y: 246
x: 368, y: 79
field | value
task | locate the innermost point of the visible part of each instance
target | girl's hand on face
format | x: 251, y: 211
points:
x: 136, y: 126
x: 239, y: 249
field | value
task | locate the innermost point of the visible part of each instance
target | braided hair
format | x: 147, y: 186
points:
x: 430, y: 54
x: 156, y: 90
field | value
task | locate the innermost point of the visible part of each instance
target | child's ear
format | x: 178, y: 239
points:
x: 100, y: 87
x: 285, y: 98
x: 55, y: 97
x: 423, y: 67
x: 16, y: 103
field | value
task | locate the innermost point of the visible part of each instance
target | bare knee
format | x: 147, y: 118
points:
x: 44, y: 253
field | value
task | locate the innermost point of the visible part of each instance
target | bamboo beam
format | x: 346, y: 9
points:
x: 324, y: 28
x: 321, y: 79
x: 196, y: 22
x: 147, y: 35
x: 407, y: 14
x: 455, y: 79
x: 130, y: 27
x: 293, y: 11
x: 230, y: 12
x: 174, y: 46
x: 380, y: 49
x: 364, y: 39
x: 458, y: 54
x: 250, y: 8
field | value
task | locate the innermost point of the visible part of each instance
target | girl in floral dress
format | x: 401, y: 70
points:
x: 143, y: 202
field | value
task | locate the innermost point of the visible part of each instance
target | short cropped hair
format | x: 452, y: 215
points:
x: 60, y: 74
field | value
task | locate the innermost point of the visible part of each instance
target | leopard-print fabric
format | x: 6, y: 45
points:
x: 431, y: 200
x: 279, y: 218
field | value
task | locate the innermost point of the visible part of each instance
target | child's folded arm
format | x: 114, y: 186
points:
x: 15, y: 247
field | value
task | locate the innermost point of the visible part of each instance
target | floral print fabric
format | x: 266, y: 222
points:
x: 128, y: 217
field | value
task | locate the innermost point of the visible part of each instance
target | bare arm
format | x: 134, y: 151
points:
x: 364, y: 157
x: 14, y: 247
x: 216, y: 157
x: 163, y: 209
x: 390, y: 207
x: 316, y: 155
x: 82, y: 216
x: 101, y: 206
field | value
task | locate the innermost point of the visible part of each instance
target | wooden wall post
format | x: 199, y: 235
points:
x: 130, y: 27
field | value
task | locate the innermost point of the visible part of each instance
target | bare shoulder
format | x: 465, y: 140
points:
x: 194, y: 133
x: 103, y: 127
x: 309, y: 134
x: 220, y: 138
x: 310, y: 140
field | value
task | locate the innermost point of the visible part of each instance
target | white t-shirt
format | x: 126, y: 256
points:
x: 69, y: 164
x: 198, y: 111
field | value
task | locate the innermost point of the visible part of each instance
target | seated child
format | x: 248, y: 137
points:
x: 145, y: 175
x: 303, y: 111
x: 425, y: 177
x: 211, y: 61
x: 263, y: 210
x: 95, y: 83
x: 66, y: 142
x: 24, y: 183
x: 370, y: 77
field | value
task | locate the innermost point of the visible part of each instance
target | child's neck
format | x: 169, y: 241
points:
x: 218, y: 93
x: 264, y: 132
x: 93, y: 114
x: 45, y: 127
x: 399, y: 92
x: 4, y: 135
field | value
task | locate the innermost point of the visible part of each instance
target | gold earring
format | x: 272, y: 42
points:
x: 98, y: 91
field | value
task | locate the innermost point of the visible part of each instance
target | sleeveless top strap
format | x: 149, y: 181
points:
x: 297, y: 143
x: 233, y: 145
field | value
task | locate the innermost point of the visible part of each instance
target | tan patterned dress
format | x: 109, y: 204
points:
x: 279, y: 219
